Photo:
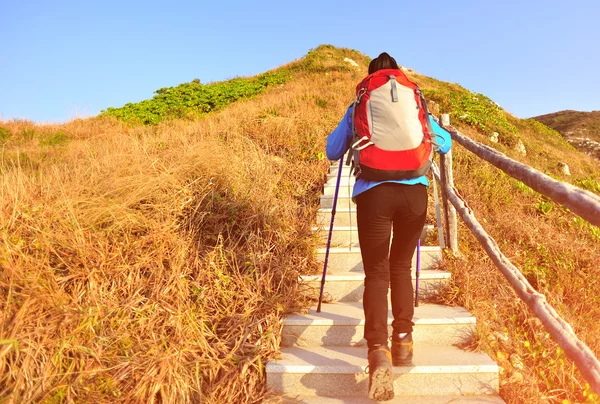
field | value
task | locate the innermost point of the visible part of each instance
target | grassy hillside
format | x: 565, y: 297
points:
x: 153, y: 263
x: 573, y: 122
x: 194, y: 100
x: 582, y: 129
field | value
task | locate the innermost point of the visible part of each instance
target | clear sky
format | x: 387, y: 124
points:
x: 63, y: 59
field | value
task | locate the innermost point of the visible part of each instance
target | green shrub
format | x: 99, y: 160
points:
x: 192, y: 100
x: 473, y: 109
x: 4, y: 135
x: 53, y: 139
x: 27, y: 134
x: 590, y: 183
x: 541, y: 128
x: 509, y: 139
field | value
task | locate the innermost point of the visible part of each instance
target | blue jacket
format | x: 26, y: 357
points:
x: 340, y: 139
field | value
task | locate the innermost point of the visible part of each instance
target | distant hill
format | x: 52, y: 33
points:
x: 581, y: 129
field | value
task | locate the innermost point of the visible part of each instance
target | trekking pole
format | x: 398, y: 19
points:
x: 335, y: 197
x: 418, y: 272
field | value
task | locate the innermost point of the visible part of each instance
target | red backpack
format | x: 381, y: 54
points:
x: 391, y: 129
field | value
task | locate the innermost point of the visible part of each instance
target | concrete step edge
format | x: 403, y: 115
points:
x: 343, y: 209
x: 351, y: 313
x: 356, y: 250
x: 353, y: 360
x: 399, y: 399
x: 427, y: 227
x: 425, y: 274
x: 333, y: 196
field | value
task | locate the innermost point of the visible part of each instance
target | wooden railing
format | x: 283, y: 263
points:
x: 583, y: 203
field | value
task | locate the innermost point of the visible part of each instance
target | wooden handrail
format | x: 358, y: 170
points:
x: 559, y: 330
x: 583, y: 203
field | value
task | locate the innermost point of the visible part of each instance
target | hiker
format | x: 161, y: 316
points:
x: 386, y: 207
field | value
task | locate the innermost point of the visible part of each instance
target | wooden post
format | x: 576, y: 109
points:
x: 444, y: 120
x: 448, y: 181
x: 443, y: 183
x: 438, y: 213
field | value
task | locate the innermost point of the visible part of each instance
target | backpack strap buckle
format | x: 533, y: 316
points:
x: 357, y: 145
x: 360, y: 93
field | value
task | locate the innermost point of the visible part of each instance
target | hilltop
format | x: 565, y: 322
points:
x: 581, y: 129
x: 149, y: 253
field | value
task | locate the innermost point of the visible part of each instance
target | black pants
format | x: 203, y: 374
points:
x: 381, y: 210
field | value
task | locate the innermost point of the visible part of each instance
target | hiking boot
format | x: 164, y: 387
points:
x: 402, y: 350
x: 381, y: 383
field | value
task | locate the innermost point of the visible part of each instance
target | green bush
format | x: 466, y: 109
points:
x: 4, y: 135
x: 590, y: 183
x: 541, y: 128
x: 192, y: 100
x: 53, y: 139
x: 473, y: 109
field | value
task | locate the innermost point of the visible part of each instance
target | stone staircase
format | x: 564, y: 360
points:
x: 324, y: 356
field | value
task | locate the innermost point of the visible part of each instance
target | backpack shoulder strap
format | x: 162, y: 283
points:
x: 353, y: 155
x: 424, y: 104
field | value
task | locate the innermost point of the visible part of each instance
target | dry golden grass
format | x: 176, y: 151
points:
x: 153, y: 264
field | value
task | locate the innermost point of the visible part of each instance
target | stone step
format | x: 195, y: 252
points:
x: 346, y: 170
x: 396, y: 400
x: 349, y: 259
x: 344, y: 183
x: 340, y: 372
x: 349, y: 286
x: 342, y: 236
x: 345, y: 189
x: 345, y: 180
x: 342, y: 202
x: 344, y: 216
x: 342, y: 324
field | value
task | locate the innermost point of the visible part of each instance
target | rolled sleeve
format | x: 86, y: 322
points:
x: 442, y: 137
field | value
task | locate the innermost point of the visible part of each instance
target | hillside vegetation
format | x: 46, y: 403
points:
x: 194, y: 100
x: 149, y: 254
x: 582, y: 129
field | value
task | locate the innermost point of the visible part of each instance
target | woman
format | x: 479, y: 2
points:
x: 383, y: 208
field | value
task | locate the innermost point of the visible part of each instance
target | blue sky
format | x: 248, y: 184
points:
x: 63, y: 59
